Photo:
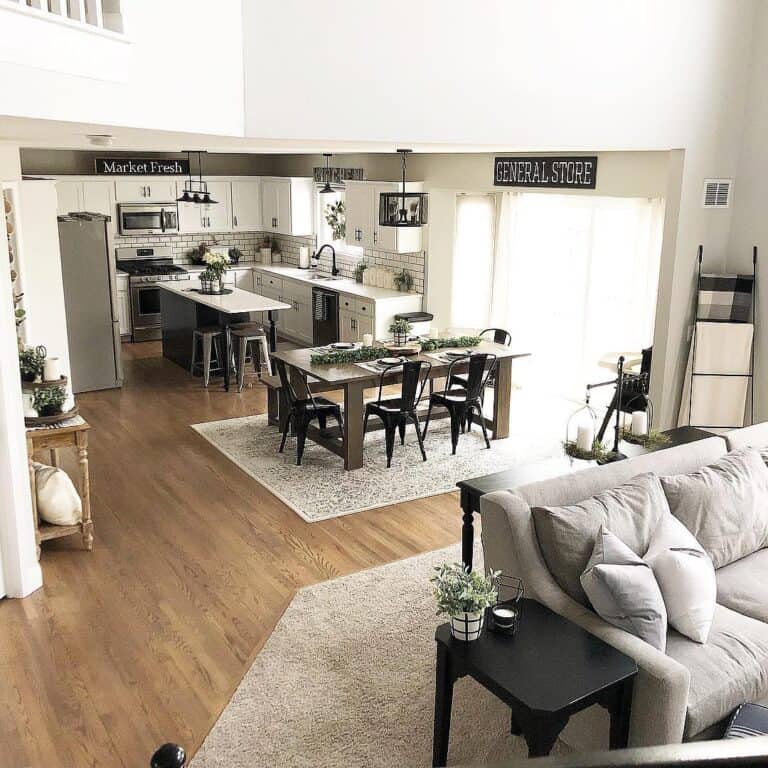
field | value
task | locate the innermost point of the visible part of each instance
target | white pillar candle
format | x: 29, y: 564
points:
x: 639, y: 423
x: 52, y: 369
x: 29, y: 411
x: 434, y: 332
x: 585, y: 437
x: 367, y: 339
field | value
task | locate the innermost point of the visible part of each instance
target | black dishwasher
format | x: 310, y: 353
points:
x: 325, y: 317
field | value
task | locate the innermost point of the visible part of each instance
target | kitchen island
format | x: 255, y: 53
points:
x: 184, y: 308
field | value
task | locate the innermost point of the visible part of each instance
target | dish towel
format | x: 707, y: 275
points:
x: 717, y: 401
x: 321, y: 306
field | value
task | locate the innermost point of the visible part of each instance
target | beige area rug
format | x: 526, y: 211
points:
x: 321, y: 489
x: 347, y: 679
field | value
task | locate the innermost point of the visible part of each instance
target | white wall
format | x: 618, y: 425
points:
x: 181, y: 71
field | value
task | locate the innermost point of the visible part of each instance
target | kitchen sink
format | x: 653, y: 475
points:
x: 325, y: 277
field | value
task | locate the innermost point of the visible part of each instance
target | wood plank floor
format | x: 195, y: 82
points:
x: 144, y: 639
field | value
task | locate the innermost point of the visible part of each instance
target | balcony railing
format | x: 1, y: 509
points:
x: 103, y: 15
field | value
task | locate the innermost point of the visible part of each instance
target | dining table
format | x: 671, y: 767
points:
x: 353, y: 379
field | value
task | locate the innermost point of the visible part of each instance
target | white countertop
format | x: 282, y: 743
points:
x: 345, y: 285
x: 229, y: 303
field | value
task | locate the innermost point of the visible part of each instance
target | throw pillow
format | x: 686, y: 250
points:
x: 58, y: 501
x: 724, y: 505
x: 686, y: 578
x: 566, y: 535
x: 623, y: 590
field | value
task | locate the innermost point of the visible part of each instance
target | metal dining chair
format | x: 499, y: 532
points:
x: 397, y: 411
x: 303, y: 410
x: 500, y: 336
x: 462, y: 402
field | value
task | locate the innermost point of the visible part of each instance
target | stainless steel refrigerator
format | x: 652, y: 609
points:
x: 90, y: 298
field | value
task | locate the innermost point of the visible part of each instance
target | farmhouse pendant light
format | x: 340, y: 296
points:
x: 196, y: 190
x: 403, y: 209
x: 327, y: 189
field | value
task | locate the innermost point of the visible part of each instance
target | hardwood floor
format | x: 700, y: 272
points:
x: 144, y: 639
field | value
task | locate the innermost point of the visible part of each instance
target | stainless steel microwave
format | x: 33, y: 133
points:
x: 148, y: 218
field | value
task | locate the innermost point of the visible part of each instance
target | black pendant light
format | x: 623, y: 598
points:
x: 196, y: 190
x: 403, y: 209
x: 327, y: 189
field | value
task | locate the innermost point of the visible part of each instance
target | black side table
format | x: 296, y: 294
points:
x: 547, y: 672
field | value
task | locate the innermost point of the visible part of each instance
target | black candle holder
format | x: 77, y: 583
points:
x: 505, y: 615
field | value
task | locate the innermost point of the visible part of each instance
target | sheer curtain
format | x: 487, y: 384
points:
x: 574, y: 278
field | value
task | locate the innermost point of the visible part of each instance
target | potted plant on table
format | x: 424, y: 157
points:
x: 48, y: 401
x: 463, y: 595
x: 217, y: 265
x: 400, y: 330
x: 31, y: 363
x: 360, y: 267
x: 403, y: 281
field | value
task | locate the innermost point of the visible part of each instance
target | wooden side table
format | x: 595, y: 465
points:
x: 53, y: 439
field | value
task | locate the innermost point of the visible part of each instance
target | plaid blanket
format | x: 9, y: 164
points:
x: 726, y: 298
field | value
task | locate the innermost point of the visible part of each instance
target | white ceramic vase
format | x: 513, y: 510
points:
x: 467, y: 626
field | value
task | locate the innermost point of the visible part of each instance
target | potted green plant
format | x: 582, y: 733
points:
x: 48, y: 401
x: 463, y: 595
x: 336, y: 220
x: 360, y: 267
x: 209, y: 281
x: 403, y: 281
x: 31, y: 363
x: 400, y: 330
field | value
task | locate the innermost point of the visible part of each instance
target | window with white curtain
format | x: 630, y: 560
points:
x: 573, y: 277
x: 473, y: 260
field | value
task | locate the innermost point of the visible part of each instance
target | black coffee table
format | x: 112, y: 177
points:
x: 472, y: 490
x: 547, y: 672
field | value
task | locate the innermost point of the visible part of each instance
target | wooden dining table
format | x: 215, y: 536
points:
x: 353, y: 380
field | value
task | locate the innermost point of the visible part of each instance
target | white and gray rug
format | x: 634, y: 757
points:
x: 347, y: 679
x: 321, y: 489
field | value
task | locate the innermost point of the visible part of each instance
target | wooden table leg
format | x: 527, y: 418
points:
x: 502, y: 397
x: 85, y: 488
x: 467, y: 529
x: 540, y: 731
x: 33, y: 491
x: 353, y: 425
x: 444, y: 679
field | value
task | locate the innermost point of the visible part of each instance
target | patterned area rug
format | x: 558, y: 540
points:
x: 347, y: 679
x: 320, y: 489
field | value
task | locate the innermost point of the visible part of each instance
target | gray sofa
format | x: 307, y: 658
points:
x: 687, y: 692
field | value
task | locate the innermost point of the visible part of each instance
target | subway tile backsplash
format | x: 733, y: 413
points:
x: 249, y: 243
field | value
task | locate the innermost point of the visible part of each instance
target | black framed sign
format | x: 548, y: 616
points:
x: 337, y: 175
x: 142, y: 166
x: 578, y: 172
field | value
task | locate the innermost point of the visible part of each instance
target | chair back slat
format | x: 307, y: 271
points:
x: 414, y: 382
x: 500, y: 336
x: 480, y: 367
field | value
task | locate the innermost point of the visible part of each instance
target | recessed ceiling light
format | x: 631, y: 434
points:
x: 101, y: 139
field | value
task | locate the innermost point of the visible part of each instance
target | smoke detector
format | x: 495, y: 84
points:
x: 101, y: 139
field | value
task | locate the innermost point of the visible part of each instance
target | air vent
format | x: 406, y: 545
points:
x: 717, y: 193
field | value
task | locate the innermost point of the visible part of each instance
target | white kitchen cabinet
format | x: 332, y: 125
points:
x: 194, y: 217
x: 151, y: 189
x: 246, y: 205
x: 362, y: 216
x: 244, y: 279
x: 99, y: 197
x: 364, y: 325
x: 347, y: 325
x: 69, y: 196
x: 124, y: 305
x: 286, y: 205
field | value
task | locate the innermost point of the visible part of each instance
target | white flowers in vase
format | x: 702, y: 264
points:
x: 218, y: 264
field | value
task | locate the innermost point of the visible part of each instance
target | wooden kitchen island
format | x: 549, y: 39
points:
x: 184, y: 308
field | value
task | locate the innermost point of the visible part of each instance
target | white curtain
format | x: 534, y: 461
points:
x: 573, y: 278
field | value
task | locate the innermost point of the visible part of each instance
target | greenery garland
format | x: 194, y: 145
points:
x: 358, y: 355
x: 654, y: 439
x: 430, y: 345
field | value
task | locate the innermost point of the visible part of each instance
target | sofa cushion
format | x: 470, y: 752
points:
x: 685, y: 577
x: 743, y: 586
x: 729, y: 669
x: 566, y: 535
x: 724, y: 505
x: 755, y: 436
x: 623, y: 590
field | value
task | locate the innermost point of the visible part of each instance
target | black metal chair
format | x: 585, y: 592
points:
x: 395, y: 412
x: 303, y: 410
x: 500, y: 336
x: 462, y: 402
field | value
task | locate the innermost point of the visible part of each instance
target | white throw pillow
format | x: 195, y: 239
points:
x: 623, y: 590
x: 58, y: 501
x: 686, y: 578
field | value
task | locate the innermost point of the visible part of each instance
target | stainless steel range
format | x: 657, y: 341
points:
x: 146, y: 268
